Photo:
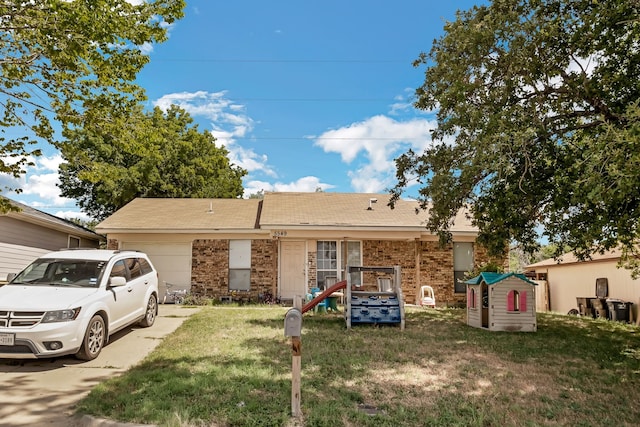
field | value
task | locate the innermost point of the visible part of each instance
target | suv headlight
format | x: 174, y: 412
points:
x: 61, y: 315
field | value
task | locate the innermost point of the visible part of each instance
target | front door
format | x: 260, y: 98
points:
x: 293, y: 272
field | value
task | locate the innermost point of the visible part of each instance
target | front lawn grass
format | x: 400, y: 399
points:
x: 231, y: 366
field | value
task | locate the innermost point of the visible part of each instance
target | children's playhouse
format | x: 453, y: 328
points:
x: 501, y: 302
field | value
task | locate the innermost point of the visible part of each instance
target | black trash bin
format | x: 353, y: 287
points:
x: 619, y: 310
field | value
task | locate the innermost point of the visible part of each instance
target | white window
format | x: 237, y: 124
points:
x: 239, y: 265
x: 462, y: 263
x: 331, y: 261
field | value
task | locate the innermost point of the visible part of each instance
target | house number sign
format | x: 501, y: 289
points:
x: 279, y: 233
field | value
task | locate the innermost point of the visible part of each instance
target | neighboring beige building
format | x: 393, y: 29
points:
x: 570, y: 278
x: 29, y: 233
x: 287, y: 243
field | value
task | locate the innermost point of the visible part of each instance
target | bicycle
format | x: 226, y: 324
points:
x: 174, y: 297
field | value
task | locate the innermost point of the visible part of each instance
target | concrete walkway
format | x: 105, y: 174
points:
x: 44, y: 392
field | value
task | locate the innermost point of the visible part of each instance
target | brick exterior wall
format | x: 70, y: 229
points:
x: 112, y: 244
x: 312, y: 271
x: 436, y: 270
x: 436, y: 267
x: 389, y: 253
x: 210, y: 269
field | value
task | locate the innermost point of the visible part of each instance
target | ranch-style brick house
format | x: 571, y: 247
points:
x: 287, y: 243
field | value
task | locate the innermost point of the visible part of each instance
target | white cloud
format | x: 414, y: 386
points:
x: 73, y: 214
x: 374, y: 144
x: 404, y: 103
x: 146, y: 48
x: 305, y: 185
x: 42, y: 180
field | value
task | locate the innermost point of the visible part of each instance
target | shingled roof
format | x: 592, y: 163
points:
x: 31, y: 215
x: 320, y: 210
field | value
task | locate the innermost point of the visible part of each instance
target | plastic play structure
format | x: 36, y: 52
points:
x: 382, y: 305
x: 322, y: 296
x: 364, y: 304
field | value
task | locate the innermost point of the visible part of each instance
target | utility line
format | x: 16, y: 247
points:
x: 286, y: 61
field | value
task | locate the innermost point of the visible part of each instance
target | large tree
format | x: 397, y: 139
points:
x: 60, y: 59
x: 152, y: 154
x: 538, y: 125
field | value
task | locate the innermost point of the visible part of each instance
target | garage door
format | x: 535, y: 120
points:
x: 172, y: 260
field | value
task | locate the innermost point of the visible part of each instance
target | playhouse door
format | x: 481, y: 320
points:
x: 484, y: 291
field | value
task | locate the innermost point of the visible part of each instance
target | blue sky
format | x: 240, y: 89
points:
x: 304, y: 94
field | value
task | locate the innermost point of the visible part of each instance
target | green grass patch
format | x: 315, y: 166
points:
x: 231, y: 366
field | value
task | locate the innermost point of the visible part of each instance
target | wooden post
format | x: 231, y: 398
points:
x: 296, y: 367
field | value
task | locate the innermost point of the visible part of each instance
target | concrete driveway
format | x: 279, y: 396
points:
x: 44, y: 392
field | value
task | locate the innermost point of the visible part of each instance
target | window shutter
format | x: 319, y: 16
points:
x: 523, y: 301
x: 510, y: 301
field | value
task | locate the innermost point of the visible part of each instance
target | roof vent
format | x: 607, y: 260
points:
x: 372, y: 201
x: 210, y: 211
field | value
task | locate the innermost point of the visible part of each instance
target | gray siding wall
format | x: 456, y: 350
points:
x: 22, y: 242
x: 16, y: 232
x: 14, y: 258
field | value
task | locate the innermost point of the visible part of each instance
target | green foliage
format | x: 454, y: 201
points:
x: 151, y: 154
x: 69, y: 62
x: 89, y: 225
x: 489, y: 267
x: 258, y: 195
x: 538, y: 125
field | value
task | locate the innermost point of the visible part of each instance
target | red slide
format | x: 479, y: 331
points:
x: 338, y: 286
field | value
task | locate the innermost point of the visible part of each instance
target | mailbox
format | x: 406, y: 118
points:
x: 293, y: 323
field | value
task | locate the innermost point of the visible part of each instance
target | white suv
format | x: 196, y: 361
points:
x: 71, y: 301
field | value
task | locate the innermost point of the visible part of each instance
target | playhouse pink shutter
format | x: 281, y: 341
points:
x: 523, y: 301
x: 510, y: 301
x: 472, y: 303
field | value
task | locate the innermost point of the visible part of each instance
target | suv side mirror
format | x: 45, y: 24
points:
x: 117, y: 281
x: 10, y: 277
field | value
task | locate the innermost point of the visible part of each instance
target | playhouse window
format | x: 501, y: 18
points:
x: 471, y: 300
x: 517, y: 301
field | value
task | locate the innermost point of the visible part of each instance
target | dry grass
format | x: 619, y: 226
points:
x: 231, y: 367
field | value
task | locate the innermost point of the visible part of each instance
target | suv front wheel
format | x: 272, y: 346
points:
x: 150, y: 312
x: 94, y: 338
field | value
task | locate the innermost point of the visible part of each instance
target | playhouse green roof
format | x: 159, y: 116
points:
x: 493, y: 278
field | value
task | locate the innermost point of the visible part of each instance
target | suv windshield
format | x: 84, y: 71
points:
x: 61, y: 272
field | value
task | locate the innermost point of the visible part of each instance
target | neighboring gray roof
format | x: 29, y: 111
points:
x: 321, y: 210
x: 34, y: 216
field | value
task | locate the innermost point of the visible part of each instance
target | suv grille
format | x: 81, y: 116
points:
x: 20, y: 319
